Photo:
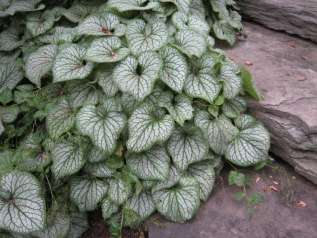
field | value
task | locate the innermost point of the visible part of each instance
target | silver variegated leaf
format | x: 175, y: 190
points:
x: 224, y: 31
x: 174, y: 68
x: 105, y: 50
x: 77, y: 12
x: 96, y: 155
x: 1, y: 127
x: 202, y: 86
x: 191, y: 43
x: 184, y: 21
x: 250, y: 146
x: 40, y: 22
x: 186, y: 147
x: 173, y: 178
x: 83, y: 94
x: 106, y: 82
x: 148, y: 126
x: 9, y: 114
x: 86, y: 193
x: 119, y: 190
x: 78, y: 224
x: 68, y: 158
x: 22, y: 208
x: 70, y: 64
x: 99, y: 25
x: 60, y: 120
x: 58, y: 226
x: 103, y: 124
x: 197, y: 8
x: 132, y: 5
x: 22, y: 6
x: 39, y: 63
x: 141, y: 205
x: 178, y: 203
x: 180, y: 108
x: 233, y: 108
x: 10, y: 75
x: 220, y: 133
x: 204, y: 173
x: 153, y: 164
x: 99, y: 169
x: 136, y: 76
x: 108, y: 208
x: 182, y: 5
x: 9, y: 39
x: 59, y: 35
x: 232, y: 83
x: 142, y: 36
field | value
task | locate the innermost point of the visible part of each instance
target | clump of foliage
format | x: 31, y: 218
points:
x: 123, y: 105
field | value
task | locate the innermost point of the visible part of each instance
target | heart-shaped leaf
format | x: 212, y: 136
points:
x: 191, y: 43
x: 103, y: 124
x: 182, y: 5
x: 186, y: 147
x: 9, y: 114
x: 22, y: 6
x: 68, y: 158
x: 10, y: 75
x: 100, y: 25
x: 141, y: 205
x: 60, y: 120
x: 119, y: 190
x: 234, y: 108
x: 148, y: 126
x: 232, y: 83
x: 77, y: 12
x: 220, y: 133
x: 132, y: 5
x: 9, y: 39
x: 106, y: 82
x: 204, y: 173
x: 153, y: 164
x: 202, y: 86
x: 144, y: 36
x: 108, y: 208
x: 178, y: 203
x: 70, y: 64
x: 87, y: 193
x: 83, y: 94
x: 174, y: 68
x: 192, y: 22
x: 59, y: 35
x: 40, y: 22
x: 250, y: 146
x: 22, y: 208
x: 224, y: 31
x: 180, y: 108
x: 40, y: 63
x: 78, y: 224
x: 99, y: 170
x: 137, y: 76
x: 105, y: 50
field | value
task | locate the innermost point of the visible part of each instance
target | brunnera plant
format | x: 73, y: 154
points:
x: 123, y: 105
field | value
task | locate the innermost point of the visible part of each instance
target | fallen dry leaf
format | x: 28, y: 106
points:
x: 257, y: 179
x: 274, y: 189
x: 248, y: 63
x: 276, y: 183
x: 292, y: 44
x: 301, y: 204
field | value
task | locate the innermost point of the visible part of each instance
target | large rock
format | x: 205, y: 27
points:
x: 285, y: 71
x: 293, y: 16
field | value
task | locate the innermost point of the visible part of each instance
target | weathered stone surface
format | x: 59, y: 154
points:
x: 293, y: 16
x: 285, y: 71
x: 277, y: 217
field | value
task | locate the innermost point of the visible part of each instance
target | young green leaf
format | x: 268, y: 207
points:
x: 248, y: 84
x: 108, y: 208
x: 119, y: 190
x: 10, y: 75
